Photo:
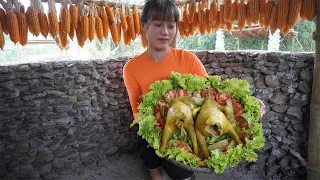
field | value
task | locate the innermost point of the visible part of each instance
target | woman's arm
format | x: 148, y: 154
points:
x: 133, y: 90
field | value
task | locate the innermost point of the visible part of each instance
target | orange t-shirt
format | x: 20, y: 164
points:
x: 140, y: 72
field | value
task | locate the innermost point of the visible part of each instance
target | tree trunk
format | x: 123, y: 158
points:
x: 314, y: 127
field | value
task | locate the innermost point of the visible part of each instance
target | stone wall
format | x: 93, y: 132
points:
x: 61, y: 117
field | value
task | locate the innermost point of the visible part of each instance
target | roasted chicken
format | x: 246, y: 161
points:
x: 212, y: 122
x: 179, y: 116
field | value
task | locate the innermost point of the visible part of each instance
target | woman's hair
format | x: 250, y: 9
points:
x: 163, y: 10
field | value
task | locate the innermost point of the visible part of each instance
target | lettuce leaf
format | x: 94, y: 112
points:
x: 236, y: 87
x: 188, y: 82
x: 157, y: 90
x: 181, y: 156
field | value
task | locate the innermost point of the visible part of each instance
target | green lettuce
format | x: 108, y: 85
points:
x: 188, y: 82
x: 239, y: 89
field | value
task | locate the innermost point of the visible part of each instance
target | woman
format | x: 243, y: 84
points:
x: 159, y: 22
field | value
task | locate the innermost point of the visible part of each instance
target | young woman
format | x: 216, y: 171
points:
x: 159, y: 22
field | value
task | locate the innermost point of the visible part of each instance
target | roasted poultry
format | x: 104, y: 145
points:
x: 212, y: 122
x: 179, y: 116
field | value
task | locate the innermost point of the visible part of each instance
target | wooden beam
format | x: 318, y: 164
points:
x: 313, y: 168
x: 100, y: 3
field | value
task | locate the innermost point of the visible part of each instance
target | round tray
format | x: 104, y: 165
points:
x: 194, y: 169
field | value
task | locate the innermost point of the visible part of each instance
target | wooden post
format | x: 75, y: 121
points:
x: 314, y: 126
x: 292, y: 44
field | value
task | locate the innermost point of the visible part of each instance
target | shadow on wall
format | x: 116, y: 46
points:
x: 59, y: 118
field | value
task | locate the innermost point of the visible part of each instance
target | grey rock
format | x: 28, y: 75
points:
x: 66, y: 154
x: 238, y: 69
x: 299, y: 101
x: 304, y: 87
x: 8, y: 86
x: 295, y: 163
x: 272, y: 81
x: 58, y: 164
x: 279, y: 153
x: 28, y: 76
x: 281, y: 131
x: 260, y: 84
x: 280, y: 108
x: 68, y: 141
x: 268, y: 71
x: 88, y: 162
x: 306, y: 75
x: 249, y: 79
x: 286, y: 81
x: 112, y: 75
x: 295, y: 113
x: 48, y: 124
x: 61, y: 108
x: 283, y: 67
x: 255, y: 168
x: 24, y: 170
x: 288, y: 89
x: 13, y: 163
x: 87, y: 72
x: 271, y: 57
x: 270, y: 64
x: 82, y: 103
x: 58, y: 65
x: 61, y: 82
x: 64, y: 121
x: 299, y: 127
x: 44, y: 68
x: 64, y: 171
x: 300, y: 64
x: 49, y: 175
x: 79, y: 79
x: 73, y: 70
x: 44, y: 152
x: 279, y: 98
x: 284, y: 163
x: 22, y: 145
x: 7, y: 77
x: 35, y: 144
x: 23, y: 68
x: 4, y: 70
x: 52, y: 131
x: 85, y: 65
x: 228, y: 70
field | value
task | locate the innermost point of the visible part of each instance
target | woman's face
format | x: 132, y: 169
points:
x: 160, y: 33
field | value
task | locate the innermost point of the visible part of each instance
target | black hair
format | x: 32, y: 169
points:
x: 163, y: 10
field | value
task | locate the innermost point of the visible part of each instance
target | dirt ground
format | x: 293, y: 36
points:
x: 128, y: 166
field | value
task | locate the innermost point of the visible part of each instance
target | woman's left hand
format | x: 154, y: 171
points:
x: 262, y: 108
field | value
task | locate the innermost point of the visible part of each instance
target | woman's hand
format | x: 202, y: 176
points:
x: 262, y: 108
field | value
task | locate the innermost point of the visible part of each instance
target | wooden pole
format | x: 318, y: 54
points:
x: 292, y: 44
x: 314, y: 126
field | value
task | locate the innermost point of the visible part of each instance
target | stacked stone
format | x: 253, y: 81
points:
x: 58, y: 118
x: 61, y: 117
x: 283, y: 81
